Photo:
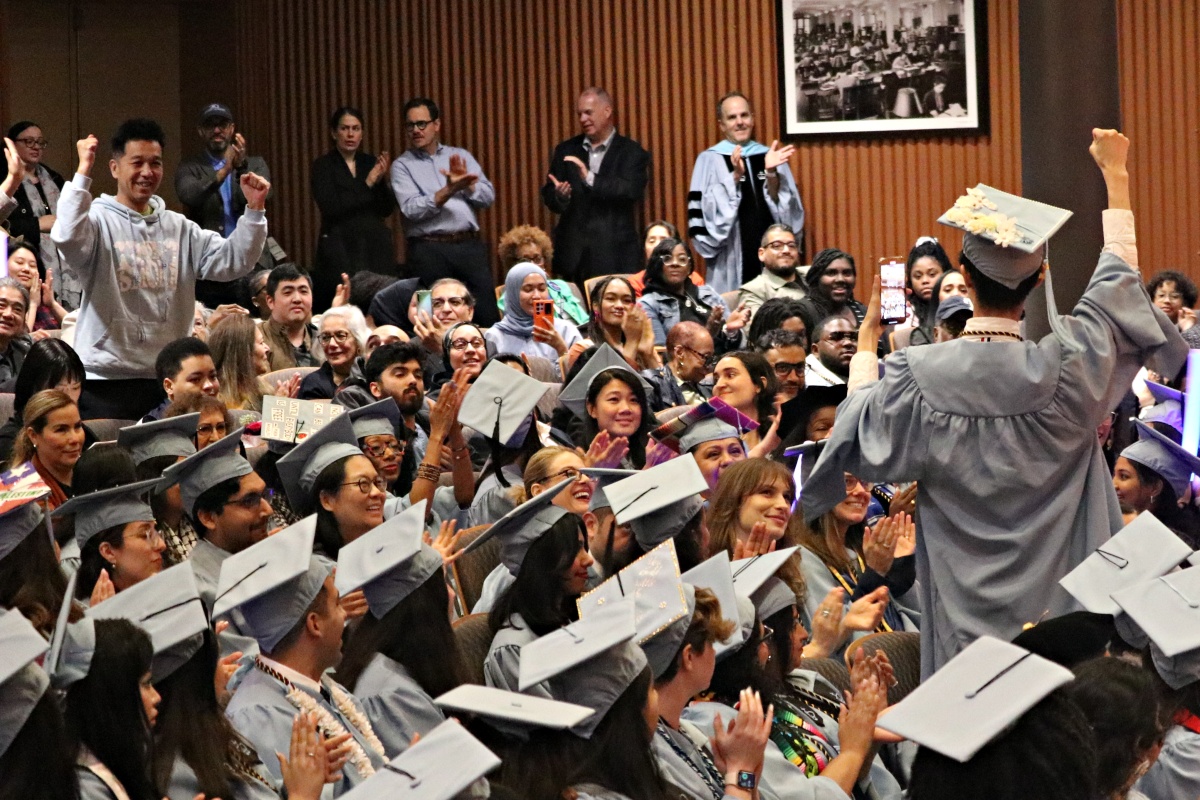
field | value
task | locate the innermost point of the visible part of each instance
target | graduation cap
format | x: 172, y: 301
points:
x: 572, y: 644
x: 1006, y: 234
x: 377, y: 419
x: 710, y: 429
x: 272, y: 582
x: 167, y: 607
x: 18, y: 521
x: 173, y: 436
x: 574, y: 395
x: 299, y: 469
x: 670, y: 432
x: 657, y: 503
x: 389, y: 561
x: 751, y: 573
x: 1070, y: 639
x: 441, y: 765
x: 107, y: 508
x: 206, y: 468
x: 1166, y: 459
x: 954, y: 304
x: 716, y: 576
x: 604, y: 478
x: 663, y: 604
x: 524, y: 525
x: 72, y: 643
x: 807, y: 455
x: 1142, y: 550
x: 22, y: 681
x: 772, y: 597
x: 288, y: 420
x: 1168, y: 407
x: 1165, y: 615
x: 524, y: 709
x: 500, y: 401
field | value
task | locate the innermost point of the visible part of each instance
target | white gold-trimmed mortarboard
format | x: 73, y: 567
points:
x: 300, y: 468
x: 388, y: 562
x: 22, y: 681
x: 1158, y: 453
x: 204, y: 469
x: 524, y: 525
x: 173, y: 436
x: 377, y: 419
x: 658, y: 502
x: 107, y: 508
x: 574, y: 395
x: 500, y: 401
x: 440, y: 766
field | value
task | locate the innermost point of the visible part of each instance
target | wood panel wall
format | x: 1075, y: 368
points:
x: 506, y: 75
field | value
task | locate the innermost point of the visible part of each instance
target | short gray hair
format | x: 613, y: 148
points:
x: 12, y: 283
x: 600, y: 94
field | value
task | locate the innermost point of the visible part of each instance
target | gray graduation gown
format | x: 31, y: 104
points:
x: 184, y: 786
x: 206, y: 560
x: 92, y: 788
x: 396, y: 704
x: 1176, y: 773
x: 1001, y: 436
x: 502, y: 668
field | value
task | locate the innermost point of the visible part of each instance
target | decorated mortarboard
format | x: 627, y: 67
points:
x: 658, y: 502
x: 572, y: 644
x: 272, y: 582
x: 671, y: 431
x: 173, y: 436
x: 107, y: 508
x: 716, y: 576
x: 71, y: 644
x: 167, y: 607
x: 1006, y: 234
x: 974, y: 697
x: 20, y: 488
x: 500, y: 401
x: 299, y: 469
x: 523, y: 709
x: 291, y: 421
x: 388, y: 562
x: 524, y: 525
x: 772, y: 597
x: 663, y: 604
x: 22, y: 681
x: 574, y: 395
x: 377, y: 419
x: 1158, y: 453
x: 219, y: 462
x: 604, y: 478
x: 440, y: 766
x: 954, y: 304
x: 1142, y: 550
x: 710, y: 429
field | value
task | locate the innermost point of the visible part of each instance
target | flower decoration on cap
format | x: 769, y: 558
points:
x: 966, y: 213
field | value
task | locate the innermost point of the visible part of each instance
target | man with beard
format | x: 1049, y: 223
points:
x: 830, y: 282
x: 835, y: 345
x: 785, y: 351
x: 207, y: 185
x: 779, y: 254
x: 396, y: 370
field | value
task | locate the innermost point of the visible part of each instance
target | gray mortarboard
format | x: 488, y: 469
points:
x: 658, y: 502
x: 167, y: 607
x: 751, y: 573
x: 524, y: 525
x: 442, y: 764
x: 72, y: 643
x: 377, y: 419
x: 22, y: 682
x: 523, y: 709
x: 1167, y: 459
x: 500, y: 401
x: 203, y: 470
x: 574, y: 395
x: 974, y: 697
x: 570, y: 645
x: 107, y: 508
x: 173, y: 436
x: 663, y: 605
x: 1166, y: 609
x: 1142, y: 550
x: 604, y: 478
x: 709, y: 429
x: 1168, y: 407
x: 1006, y: 234
x: 272, y: 582
x: 19, y: 521
x: 772, y: 597
x: 299, y: 469
x: 388, y: 562
x: 716, y: 576
x: 954, y: 304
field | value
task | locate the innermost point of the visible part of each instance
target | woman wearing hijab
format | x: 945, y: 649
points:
x: 516, y: 332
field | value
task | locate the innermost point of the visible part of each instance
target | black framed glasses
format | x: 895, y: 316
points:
x: 709, y: 359
x: 364, y: 484
x: 29, y: 141
x: 462, y: 344
x: 779, y: 247
x: 418, y: 124
x: 253, y: 500
x: 341, y: 337
x: 783, y: 368
x: 569, y: 472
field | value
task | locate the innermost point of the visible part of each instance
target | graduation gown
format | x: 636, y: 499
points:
x: 184, y: 786
x: 502, y: 667
x: 206, y: 559
x: 1001, y: 436
x: 395, y: 703
x: 1176, y: 773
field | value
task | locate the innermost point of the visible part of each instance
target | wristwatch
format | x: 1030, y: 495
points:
x: 745, y: 780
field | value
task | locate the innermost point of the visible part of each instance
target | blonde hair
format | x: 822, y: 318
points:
x: 516, y: 238
x: 539, y: 468
x: 39, y: 407
x: 232, y: 345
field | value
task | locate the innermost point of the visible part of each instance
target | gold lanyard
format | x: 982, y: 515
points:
x: 883, y: 625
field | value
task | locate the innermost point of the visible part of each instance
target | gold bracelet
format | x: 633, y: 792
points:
x: 429, y: 472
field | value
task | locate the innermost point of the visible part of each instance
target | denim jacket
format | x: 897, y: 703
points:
x: 663, y: 312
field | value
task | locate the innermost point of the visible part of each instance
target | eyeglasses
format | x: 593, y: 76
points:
x: 779, y: 247
x: 364, y: 485
x: 1173, y: 296
x: 767, y: 633
x: 419, y: 124
x: 31, y: 142
x: 150, y: 535
x: 853, y: 483
x: 341, y: 337
x: 453, y: 302
x: 463, y: 344
x: 253, y: 501
x: 380, y: 450
x: 842, y: 336
x: 570, y: 472
x: 219, y: 429
x: 538, y: 259
x: 783, y: 368
x: 708, y: 358
x: 677, y: 261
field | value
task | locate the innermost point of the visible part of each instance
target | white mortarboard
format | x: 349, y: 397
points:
x: 1164, y: 457
x: 751, y: 573
x: 523, y: 709
x: 440, y: 766
x: 389, y: 561
x: 377, y: 419
x: 575, y: 643
x: 524, y: 525
x: 1142, y: 550
x: 574, y: 395
x: 72, y: 643
x: 772, y: 597
x: 273, y: 582
x: 716, y: 576
x: 300, y: 468
x: 658, y: 502
x: 167, y: 607
x: 107, y: 508
x: 604, y: 478
x: 500, y: 401
x: 18, y: 521
x: 203, y: 470
x: 974, y: 697
x: 22, y: 682
x: 663, y: 605
x: 173, y: 436
x: 1167, y: 609
x: 1006, y: 234
x: 709, y: 429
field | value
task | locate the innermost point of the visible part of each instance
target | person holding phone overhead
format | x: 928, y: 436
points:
x: 527, y: 327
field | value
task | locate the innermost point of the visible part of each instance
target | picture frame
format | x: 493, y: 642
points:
x: 879, y: 68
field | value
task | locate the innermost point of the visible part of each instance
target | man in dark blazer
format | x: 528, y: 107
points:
x: 596, y: 181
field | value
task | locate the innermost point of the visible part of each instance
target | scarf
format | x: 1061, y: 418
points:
x: 517, y: 321
x: 58, y: 495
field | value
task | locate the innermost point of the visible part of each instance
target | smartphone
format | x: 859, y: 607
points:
x: 543, y: 314
x: 425, y: 301
x: 893, y: 299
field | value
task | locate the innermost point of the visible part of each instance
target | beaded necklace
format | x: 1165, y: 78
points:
x: 707, y: 770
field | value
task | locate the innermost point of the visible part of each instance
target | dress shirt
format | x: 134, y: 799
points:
x: 226, y: 194
x: 417, y: 177
x: 596, y: 155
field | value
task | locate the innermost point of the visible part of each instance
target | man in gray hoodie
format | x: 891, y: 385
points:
x: 139, y: 264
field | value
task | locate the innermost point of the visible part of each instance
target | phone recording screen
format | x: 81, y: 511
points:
x: 892, y: 296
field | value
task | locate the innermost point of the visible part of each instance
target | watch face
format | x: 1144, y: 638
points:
x: 746, y: 780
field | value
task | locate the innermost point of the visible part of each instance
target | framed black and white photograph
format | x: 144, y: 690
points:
x: 879, y: 67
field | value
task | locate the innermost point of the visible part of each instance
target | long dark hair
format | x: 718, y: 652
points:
x: 641, y: 437
x: 1166, y: 504
x: 763, y: 376
x: 594, y: 329
x: 40, y: 762
x: 91, y: 563
x: 329, y: 535
x: 104, y: 710
x: 538, y: 594
x: 772, y: 314
x: 741, y: 670
x: 48, y: 363
x: 31, y: 580
x: 812, y: 279
x: 417, y: 634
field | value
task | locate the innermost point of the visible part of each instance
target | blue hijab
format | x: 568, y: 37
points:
x: 517, y: 321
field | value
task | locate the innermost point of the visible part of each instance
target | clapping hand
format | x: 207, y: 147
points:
x: 879, y: 543
x: 305, y: 770
x: 16, y: 169
x: 103, y: 589
x: 778, y: 155
x: 578, y: 162
x: 758, y: 543
x: 354, y: 604
x: 255, y: 189
x: 658, y: 453
x: 457, y: 177
x: 866, y: 613
x: 446, y: 542
x: 738, y: 319
x: 606, y: 451
x: 341, y: 296
x: 856, y: 723
x: 827, y: 633
x: 739, y: 164
x: 561, y: 188
x: 382, y: 163
x: 715, y: 318
x: 290, y: 387
x: 235, y: 153
x: 740, y: 744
